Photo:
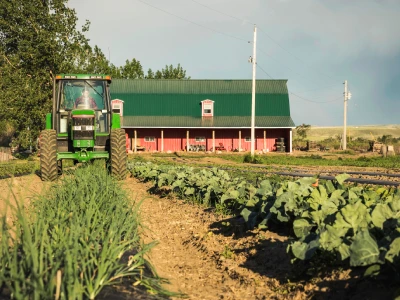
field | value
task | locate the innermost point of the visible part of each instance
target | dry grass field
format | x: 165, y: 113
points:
x: 320, y: 133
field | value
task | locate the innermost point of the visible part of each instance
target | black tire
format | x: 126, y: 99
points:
x: 60, y: 167
x: 118, y: 156
x: 48, y: 155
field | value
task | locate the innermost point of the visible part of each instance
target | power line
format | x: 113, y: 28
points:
x: 301, y: 75
x: 321, y: 102
x: 184, y: 19
x: 322, y: 88
x: 305, y: 99
x: 273, y: 40
x: 287, y: 51
x: 264, y: 70
x: 228, y: 15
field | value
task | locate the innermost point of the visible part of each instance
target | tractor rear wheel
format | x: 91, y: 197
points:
x: 118, y: 154
x: 48, y: 155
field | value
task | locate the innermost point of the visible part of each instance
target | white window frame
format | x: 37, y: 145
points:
x: 150, y: 139
x: 200, y: 139
x: 118, y: 104
x: 210, y: 108
x: 247, y: 139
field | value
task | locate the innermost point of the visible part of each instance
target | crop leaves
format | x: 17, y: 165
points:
x: 364, y: 250
x: 356, y: 222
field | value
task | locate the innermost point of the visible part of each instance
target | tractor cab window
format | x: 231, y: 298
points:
x: 82, y: 94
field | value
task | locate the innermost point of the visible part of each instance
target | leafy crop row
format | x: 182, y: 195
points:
x: 13, y: 169
x: 357, y: 224
x: 80, y: 237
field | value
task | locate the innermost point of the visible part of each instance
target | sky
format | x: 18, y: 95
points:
x: 315, y: 44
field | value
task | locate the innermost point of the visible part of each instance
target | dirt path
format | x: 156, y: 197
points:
x: 19, y: 189
x: 189, y: 254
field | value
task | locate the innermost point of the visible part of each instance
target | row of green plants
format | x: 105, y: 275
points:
x: 318, y: 160
x: 358, y: 225
x: 81, y: 236
x: 17, y: 169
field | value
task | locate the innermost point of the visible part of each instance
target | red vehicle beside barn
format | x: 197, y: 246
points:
x: 202, y: 115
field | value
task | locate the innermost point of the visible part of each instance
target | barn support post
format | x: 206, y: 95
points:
x: 265, y: 140
x: 240, y: 141
x: 162, y: 140
x: 213, y: 141
x: 135, y: 143
x: 290, y: 140
x: 187, y: 141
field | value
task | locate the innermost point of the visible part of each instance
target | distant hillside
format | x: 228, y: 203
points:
x: 318, y: 133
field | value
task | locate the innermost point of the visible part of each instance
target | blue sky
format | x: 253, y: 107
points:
x: 315, y: 44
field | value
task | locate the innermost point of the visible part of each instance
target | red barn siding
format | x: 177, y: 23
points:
x: 175, y: 139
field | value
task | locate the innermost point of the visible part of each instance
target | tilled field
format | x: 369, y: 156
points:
x: 210, y: 256
x: 362, y: 175
x: 206, y: 259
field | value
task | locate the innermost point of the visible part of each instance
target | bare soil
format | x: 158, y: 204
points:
x: 206, y: 255
x: 19, y: 190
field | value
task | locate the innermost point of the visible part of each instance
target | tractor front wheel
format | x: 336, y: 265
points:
x: 118, y: 156
x: 48, y: 155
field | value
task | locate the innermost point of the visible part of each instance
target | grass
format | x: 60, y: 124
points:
x: 320, y: 133
x: 81, y: 236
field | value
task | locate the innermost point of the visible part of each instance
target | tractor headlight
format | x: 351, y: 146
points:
x: 77, y: 128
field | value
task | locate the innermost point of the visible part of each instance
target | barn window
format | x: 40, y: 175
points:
x: 117, y: 107
x: 149, y: 139
x: 200, y: 139
x: 247, y: 139
x: 207, y: 107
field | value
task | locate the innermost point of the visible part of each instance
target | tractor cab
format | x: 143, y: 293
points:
x: 82, y: 126
x: 77, y: 97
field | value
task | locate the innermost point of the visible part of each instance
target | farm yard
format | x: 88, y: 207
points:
x: 208, y: 216
x: 122, y: 180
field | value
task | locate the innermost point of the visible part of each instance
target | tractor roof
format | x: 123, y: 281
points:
x: 84, y: 76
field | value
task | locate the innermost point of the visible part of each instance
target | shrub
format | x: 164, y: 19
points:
x: 252, y: 159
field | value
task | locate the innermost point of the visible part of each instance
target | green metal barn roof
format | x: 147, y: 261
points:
x: 170, y: 103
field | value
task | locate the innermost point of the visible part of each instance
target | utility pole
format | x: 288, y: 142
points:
x: 347, y: 96
x: 253, y: 93
x: 344, y: 139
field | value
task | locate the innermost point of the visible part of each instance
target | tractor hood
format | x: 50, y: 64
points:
x: 83, y: 112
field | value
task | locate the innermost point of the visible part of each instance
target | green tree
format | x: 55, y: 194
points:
x: 150, y: 74
x: 302, y: 130
x: 132, y: 70
x: 171, y: 72
x: 37, y: 40
x: 94, y: 61
x: 386, y: 139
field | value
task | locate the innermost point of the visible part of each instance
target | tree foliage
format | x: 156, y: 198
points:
x: 302, y: 130
x: 170, y: 72
x: 39, y: 39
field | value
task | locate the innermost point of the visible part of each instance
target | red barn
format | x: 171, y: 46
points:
x: 196, y: 115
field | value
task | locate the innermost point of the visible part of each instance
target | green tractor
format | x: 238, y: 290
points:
x: 82, y: 126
